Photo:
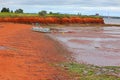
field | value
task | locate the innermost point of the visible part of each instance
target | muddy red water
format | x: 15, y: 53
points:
x: 92, y: 45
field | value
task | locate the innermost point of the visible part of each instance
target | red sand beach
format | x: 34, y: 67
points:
x: 28, y: 55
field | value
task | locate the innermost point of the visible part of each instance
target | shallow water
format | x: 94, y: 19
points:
x: 3, y: 47
x: 111, y: 21
x: 92, y: 45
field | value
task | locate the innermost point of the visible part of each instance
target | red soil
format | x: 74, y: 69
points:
x: 53, y: 20
x: 28, y: 55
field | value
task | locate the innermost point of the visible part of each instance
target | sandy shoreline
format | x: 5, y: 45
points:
x: 80, y: 25
x: 28, y: 55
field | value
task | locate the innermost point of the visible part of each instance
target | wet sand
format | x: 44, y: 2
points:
x: 29, y: 55
x: 92, y: 45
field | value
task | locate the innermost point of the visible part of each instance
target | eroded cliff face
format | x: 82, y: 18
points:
x: 53, y: 20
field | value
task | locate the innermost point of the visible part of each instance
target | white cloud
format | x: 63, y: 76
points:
x: 65, y: 6
x: 82, y: 3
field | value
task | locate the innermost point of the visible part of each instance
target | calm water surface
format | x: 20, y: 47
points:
x: 111, y: 21
x: 92, y: 45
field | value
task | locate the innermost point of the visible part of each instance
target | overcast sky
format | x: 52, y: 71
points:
x: 87, y: 7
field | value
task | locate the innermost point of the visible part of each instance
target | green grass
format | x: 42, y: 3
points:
x: 17, y: 14
x: 48, y: 15
x: 90, y: 72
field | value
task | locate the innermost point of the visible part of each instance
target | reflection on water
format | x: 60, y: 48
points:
x: 92, y: 45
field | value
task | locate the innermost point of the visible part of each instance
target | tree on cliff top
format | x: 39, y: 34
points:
x: 18, y: 11
x: 42, y: 13
x: 4, y: 9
